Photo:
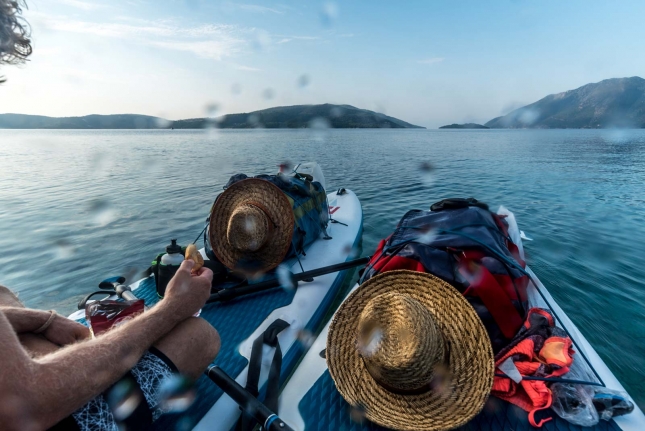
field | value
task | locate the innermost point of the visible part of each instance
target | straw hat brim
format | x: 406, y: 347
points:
x: 471, y: 364
x: 278, y: 209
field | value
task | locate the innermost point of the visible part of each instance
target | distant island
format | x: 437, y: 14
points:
x: 464, y: 126
x: 282, y: 117
x: 617, y: 102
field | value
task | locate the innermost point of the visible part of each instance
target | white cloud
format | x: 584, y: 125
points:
x: 431, y: 60
x: 82, y: 4
x: 346, y: 35
x: 213, y: 41
x: 286, y: 39
x: 245, y: 68
x: 213, y: 49
x: 259, y: 9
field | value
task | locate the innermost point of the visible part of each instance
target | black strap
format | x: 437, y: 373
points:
x: 83, y: 302
x: 270, y: 338
x: 455, y: 203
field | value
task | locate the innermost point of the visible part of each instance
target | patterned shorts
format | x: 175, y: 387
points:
x: 152, y: 369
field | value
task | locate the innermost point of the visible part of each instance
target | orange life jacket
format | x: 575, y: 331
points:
x: 536, y: 355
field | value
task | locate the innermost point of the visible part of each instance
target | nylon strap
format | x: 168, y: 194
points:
x: 270, y: 338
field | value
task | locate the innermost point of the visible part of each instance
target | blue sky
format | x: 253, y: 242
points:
x: 426, y: 62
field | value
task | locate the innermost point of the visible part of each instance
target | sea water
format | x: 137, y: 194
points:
x: 79, y: 206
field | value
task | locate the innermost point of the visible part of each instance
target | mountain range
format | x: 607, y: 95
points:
x: 617, y: 102
x: 282, y: 117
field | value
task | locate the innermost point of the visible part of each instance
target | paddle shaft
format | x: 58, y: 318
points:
x: 234, y: 292
x: 249, y: 404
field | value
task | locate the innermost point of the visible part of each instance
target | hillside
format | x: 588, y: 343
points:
x: 464, y: 126
x: 283, y: 117
x: 618, y: 102
x: 122, y: 121
x: 301, y: 116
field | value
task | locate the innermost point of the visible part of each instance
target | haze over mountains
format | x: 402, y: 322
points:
x: 617, y: 102
x: 282, y: 117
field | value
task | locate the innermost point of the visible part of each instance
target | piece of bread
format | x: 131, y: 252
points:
x: 193, y: 254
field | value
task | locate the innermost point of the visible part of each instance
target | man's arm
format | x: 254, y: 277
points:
x: 61, y: 330
x: 25, y: 319
x: 49, y: 389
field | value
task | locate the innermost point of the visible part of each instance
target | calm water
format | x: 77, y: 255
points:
x: 78, y: 206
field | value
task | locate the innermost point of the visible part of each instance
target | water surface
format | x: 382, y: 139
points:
x: 78, y: 206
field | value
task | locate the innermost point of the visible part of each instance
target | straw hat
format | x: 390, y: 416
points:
x: 251, y: 226
x: 409, y: 350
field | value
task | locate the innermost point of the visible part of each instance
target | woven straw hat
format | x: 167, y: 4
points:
x: 251, y: 226
x: 409, y: 350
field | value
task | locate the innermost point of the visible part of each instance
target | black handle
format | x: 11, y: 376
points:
x: 249, y: 404
x: 234, y: 292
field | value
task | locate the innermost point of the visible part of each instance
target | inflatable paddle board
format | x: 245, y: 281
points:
x: 311, y: 402
x: 240, y: 321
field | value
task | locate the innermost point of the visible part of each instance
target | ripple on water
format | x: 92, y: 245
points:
x: 578, y: 193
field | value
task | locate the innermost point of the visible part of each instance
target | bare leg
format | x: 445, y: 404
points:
x: 36, y: 345
x: 191, y: 346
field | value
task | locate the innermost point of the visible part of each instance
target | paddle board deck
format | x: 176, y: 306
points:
x: 311, y: 402
x: 241, y: 321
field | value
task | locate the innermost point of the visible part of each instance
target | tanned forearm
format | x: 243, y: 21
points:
x: 45, y: 386
x: 25, y: 319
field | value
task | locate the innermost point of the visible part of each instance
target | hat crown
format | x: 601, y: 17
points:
x: 248, y: 228
x: 400, y: 343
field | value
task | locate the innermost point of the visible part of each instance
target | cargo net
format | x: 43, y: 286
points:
x: 581, y: 368
x: 149, y: 373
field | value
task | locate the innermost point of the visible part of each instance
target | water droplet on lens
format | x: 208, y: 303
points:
x: 162, y: 123
x: 285, y: 277
x: 427, y: 236
x: 262, y: 40
x: 211, y: 110
x: 254, y: 121
x: 176, y: 393
x: 63, y: 248
x: 472, y: 272
x: 249, y: 225
x: 306, y: 338
x: 329, y: 14
x: 268, y: 93
x: 319, y: 123
x: 357, y: 414
x: 123, y: 399
x: 427, y: 173
x: 370, y: 338
x: 303, y: 81
x: 352, y: 251
x: 185, y: 423
x: 101, y: 211
x: 319, y: 127
x: 286, y: 166
x: 441, y: 380
x: 426, y: 167
x: 336, y: 112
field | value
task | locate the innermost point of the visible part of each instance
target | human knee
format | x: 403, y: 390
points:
x: 206, y: 338
x: 192, y: 346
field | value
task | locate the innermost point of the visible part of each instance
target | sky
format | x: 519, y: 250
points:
x: 426, y: 62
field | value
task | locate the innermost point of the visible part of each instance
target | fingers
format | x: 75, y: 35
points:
x: 186, y: 266
x: 205, y: 273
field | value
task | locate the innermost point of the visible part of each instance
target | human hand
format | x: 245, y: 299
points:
x: 186, y: 293
x: 63, y: 331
